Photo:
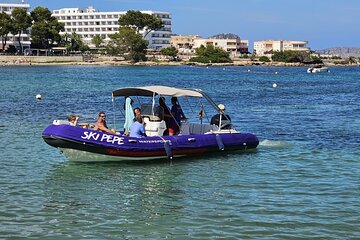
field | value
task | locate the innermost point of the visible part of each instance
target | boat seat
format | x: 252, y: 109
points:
x: 154, y: 128
x: 61, y: 122
x: 197, y: 128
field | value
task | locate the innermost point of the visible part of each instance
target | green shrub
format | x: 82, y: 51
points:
x: 264, y: 59
x: 211, y: 54
x: 200, y: 59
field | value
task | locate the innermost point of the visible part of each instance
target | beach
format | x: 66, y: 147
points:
x: 117, y: 61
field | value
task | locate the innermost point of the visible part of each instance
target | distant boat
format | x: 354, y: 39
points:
x: 317, y: 69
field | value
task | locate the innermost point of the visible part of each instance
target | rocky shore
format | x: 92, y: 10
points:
x: 113, y: 61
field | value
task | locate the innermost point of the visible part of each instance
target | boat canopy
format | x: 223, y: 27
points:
x: 150, y: 91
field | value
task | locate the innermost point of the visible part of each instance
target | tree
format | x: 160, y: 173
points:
x: 73, y: 42
x: 45, y: 29
x: 128, y: 43
x: 97, y: 40
x: 21, y: 22
x: 140, y: 21
x: 170, y: 51
x: 294, y: 56
x: 5, y: 28
x: 210, y: 54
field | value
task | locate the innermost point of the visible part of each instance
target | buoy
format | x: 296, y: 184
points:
x: 276, y: 72
x: 168, y: 151
x: 38, y: 96
x: 274, y: 85
x: 220, y: 142
x: 248, y: 70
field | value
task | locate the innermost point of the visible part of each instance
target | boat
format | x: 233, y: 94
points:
x: 197, y: 137
x: 317, y: 69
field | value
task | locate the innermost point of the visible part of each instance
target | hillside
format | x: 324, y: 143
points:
x: 225, y: 36
x: 343, y: 52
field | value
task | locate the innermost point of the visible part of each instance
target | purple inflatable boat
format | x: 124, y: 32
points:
x: 195, y: 137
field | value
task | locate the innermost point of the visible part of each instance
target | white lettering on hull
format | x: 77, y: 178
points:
x: 104, y: 138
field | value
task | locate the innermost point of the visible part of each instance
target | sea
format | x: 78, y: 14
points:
x: 302, y: 182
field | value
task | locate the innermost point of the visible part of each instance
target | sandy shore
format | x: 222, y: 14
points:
x: 113, y: 61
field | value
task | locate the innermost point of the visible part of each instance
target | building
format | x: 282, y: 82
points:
x: 232, y: 46
x: 265, y: 47
x: 8, y: 7
x: 88, y: 22
x: 184, y: 43
x: 187, y: 44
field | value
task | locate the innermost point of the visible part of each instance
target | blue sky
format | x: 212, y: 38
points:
x: 324, y: 23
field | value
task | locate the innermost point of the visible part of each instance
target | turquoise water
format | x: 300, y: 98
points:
x: 303, y: 182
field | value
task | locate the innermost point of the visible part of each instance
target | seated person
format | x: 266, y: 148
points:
x: 137, y: 112
x: 137, y: 129
x: 101, y: 125
x: 73, y: 120
x: 225, y: 119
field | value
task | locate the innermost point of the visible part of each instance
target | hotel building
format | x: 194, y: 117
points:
x: 88, y: 22
x: 8, y: 7
x: 265, y: 47
x: 188, y: 44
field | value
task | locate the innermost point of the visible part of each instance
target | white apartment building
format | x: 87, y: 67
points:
x: 8, y: 7
x: 89, y: 22
x: 232, y: 46
x: 265, y: 47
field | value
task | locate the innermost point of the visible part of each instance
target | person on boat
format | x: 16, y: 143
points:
x: 166, y: 114
x: 165, y: 110
x: 73, y: 120
x: 221, y: 118
x: 137, y: 112
x: 137, y: 129
x: 176, y: 115
x: 101, y: 125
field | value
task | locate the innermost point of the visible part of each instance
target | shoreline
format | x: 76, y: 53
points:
x: 113, y: 61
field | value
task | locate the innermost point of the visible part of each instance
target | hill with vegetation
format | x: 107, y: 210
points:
x: 225, y: 36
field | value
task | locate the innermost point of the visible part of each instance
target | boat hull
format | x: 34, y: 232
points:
x: 86, y: 145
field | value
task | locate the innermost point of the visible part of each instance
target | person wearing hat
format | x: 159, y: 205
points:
x: 221, y: 118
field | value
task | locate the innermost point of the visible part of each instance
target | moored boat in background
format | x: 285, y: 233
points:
x: 317, y: 69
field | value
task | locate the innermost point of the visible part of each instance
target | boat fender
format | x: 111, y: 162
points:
x: 219, y: 142
x: 168, y: 149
